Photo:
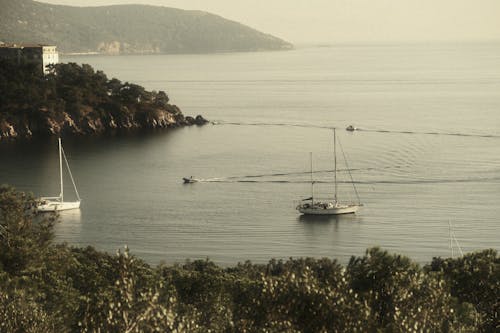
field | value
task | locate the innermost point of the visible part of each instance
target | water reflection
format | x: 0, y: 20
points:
x: 327, y: 219
x: 331, y: 227
x: 69, y: 225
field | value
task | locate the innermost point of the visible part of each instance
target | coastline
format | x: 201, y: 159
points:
x: 75, y: 99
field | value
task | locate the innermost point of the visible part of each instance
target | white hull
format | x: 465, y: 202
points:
x: 55, y: 206
x: 334, y: 210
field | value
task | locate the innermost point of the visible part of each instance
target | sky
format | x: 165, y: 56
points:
x: 345, y: 21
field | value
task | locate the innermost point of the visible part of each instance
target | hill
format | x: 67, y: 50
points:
x: 126, y: 29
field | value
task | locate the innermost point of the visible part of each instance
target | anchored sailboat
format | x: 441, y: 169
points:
x: 310, y: 206
x: 52, y: 204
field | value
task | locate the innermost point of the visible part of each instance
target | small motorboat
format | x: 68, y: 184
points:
x: 351, y: 128
x: 189, y: 180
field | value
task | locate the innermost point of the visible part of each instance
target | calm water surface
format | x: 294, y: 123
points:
x: 428, y: 152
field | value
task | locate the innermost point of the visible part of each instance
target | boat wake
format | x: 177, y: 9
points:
x: 272, y: 124
x: 244, y: 179
x: 357, y: 129
x: 432, y: 181
x: 252, y: 178
x: 430, y: 133
x: 294, y: 173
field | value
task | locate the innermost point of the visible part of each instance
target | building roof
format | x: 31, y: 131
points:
x: 24, y: 45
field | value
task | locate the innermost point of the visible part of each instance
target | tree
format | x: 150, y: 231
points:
x: 135, y: 303
x: 22, y: 240
x: 161, y: 99
x: 474, y: 279
x: 402, y: 297
x: 29, y: 264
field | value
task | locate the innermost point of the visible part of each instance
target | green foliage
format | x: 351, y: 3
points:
x: 136, y: 302
x: 23, y: 241
x: 55, y: 288
x: 76, y: 99
x: 30, y: 266
x: 474, y: 279
x: 402, y: 297
x: 19, y: 311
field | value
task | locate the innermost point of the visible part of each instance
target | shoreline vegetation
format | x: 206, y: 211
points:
x: 48, y: 287
x: 77, y: 100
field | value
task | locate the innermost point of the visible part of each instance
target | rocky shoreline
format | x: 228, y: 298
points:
x: 65, y: 124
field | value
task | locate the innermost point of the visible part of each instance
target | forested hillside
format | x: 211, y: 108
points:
x: 128, y: 29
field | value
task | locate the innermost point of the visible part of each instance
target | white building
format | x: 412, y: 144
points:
x: 50, y: 56
x: 43, y: 54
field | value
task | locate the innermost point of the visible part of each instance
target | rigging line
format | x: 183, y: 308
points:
x: 451, y: 239
x: 61, y: 194
x: 70, y: 174
x: 456, y: 242
x: 454, y: 238
x: 349, y: 171
x: 312, y: 180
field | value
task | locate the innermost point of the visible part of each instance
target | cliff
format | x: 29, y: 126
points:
x: 77, y: 100
x: 126, y: 29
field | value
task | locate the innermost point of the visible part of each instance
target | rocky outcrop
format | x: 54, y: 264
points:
x: 199, y: 120
x: 65, y: 124
x: 116, y: 47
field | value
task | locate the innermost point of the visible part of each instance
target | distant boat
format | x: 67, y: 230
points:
x: 351, y: 128
x: 310, y: 206
x: 52, y: 204
x: 189, y: 180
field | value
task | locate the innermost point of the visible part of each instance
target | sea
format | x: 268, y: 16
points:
x: 425, y: 159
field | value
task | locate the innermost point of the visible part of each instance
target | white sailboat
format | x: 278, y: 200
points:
x: 52, y: 204
x: 310, y: 206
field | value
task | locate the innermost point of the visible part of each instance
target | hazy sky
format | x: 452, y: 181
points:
x: 312, y: 21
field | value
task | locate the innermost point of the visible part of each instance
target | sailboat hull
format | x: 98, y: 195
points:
x: 337, y: 210
x: 55, y: 206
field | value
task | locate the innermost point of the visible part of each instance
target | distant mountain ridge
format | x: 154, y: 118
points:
x: 128, y: 29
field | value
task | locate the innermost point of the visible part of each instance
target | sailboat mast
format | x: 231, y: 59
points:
x: 61, y: 171
x: 312, y: 181
x: 335, y: 163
